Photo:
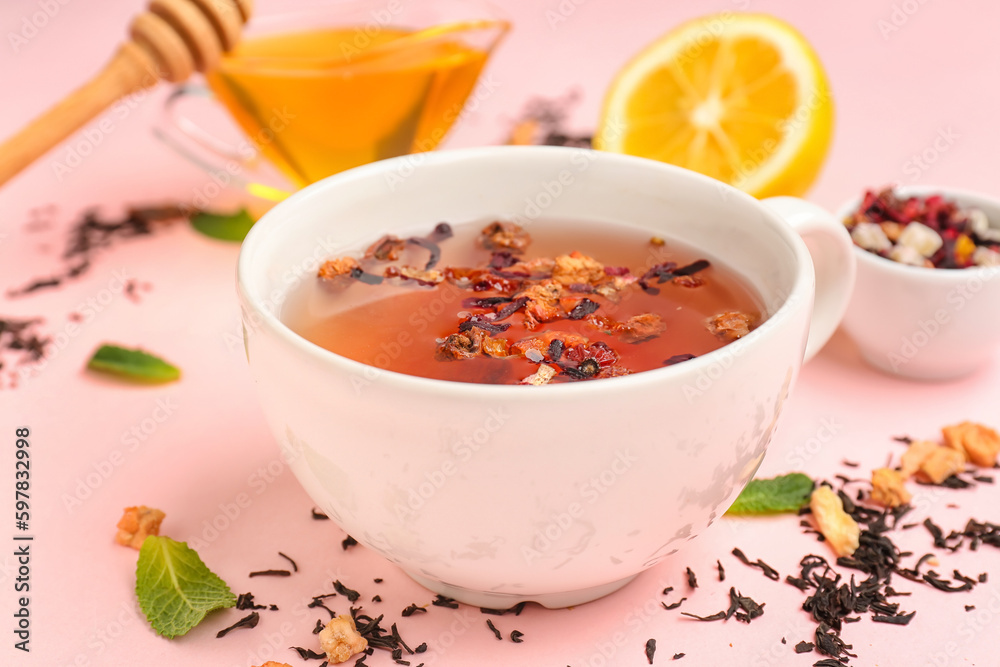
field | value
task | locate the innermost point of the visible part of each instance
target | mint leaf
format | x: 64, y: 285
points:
x: 223, y: 226
x: 785, y: 493
x: 175, y: 588
x: 132, y: 364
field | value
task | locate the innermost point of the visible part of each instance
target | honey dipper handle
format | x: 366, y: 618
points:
x: 130, y: 70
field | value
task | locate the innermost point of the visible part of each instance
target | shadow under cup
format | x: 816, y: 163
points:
x: 497, y: 494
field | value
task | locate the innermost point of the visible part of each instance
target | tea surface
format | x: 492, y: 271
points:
x: 316, y: 103
x: 402, y: 326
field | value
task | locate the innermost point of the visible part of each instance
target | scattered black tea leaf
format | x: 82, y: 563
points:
x: 944, y: 585
x: 542, y: 122
x: 377, y: 636
x: 21, y: 344
x: 768, y: 571
x: 295, y: 566
x: 307, y: 654
x: 349, y: 593
x: 717, y: 616
x: 748, y: 608
x: 248, y: 621
x: 443, y: 601
x: 897, y: 619
x: 317, y: 603
x: 91, y: 233
x: 245, y: 601
x: 412, y: 609
x: 829, y: 643
x: 516, y: 610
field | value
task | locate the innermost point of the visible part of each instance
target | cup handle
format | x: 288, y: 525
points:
x: 832, y: 253
x: 206, y: 151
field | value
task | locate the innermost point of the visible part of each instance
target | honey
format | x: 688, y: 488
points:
x: 321, y: 101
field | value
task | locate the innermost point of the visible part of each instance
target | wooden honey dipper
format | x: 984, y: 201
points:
x: 170, y: 40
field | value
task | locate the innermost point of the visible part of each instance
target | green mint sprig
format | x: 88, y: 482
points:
x: 785, y: 493
x: 175, y: 588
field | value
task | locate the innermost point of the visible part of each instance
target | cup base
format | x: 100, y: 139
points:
x: 507, y: 600
x: 918, y: 372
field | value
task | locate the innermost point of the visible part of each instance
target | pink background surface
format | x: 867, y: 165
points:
x: 895, y: 92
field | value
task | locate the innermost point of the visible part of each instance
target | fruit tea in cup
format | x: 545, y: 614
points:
x: 498, y: 304
x: 325, y: 100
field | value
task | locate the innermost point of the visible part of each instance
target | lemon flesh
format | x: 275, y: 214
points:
x: 739, y: 97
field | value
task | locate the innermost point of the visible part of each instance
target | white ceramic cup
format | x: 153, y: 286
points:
x: 920, y: 323
x: 559, y: 494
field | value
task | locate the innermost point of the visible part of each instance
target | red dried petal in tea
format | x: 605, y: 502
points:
x: 599, y: 352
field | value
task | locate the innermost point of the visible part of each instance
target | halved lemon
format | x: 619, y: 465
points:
x: 739, y: 97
